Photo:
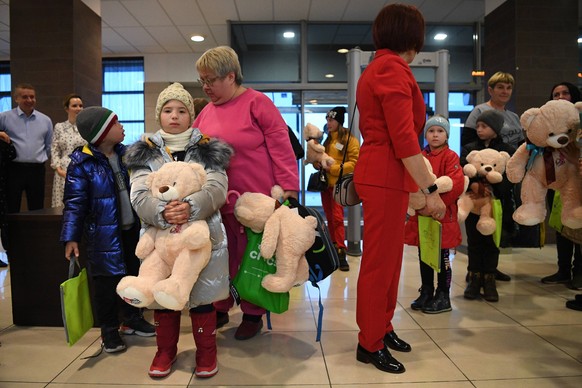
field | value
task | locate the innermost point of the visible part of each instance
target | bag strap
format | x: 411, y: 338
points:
x: 72, y: 261
x: 341, y: 172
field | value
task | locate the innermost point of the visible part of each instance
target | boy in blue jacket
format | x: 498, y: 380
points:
x: 97, y: 206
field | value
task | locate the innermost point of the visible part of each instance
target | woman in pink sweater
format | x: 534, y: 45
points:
x: 263, y: 157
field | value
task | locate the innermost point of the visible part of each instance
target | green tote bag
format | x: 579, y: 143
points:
x: 253, y: 269
x: 76, y: 304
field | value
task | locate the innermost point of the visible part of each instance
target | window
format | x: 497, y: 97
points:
x: 5, y: 89
x: 123, y: 93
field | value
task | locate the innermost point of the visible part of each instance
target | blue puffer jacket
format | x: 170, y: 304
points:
x: 91, y: 209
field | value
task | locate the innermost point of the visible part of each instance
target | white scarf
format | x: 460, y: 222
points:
x: 178, y: 141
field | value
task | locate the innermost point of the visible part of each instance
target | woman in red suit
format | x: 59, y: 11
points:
x: 392, y: 115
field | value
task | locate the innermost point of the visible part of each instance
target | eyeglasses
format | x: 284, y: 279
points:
x: 208, y: 81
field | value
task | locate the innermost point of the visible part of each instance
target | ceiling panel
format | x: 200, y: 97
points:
x: 183, y: 12
x: 327, y: 10
x: 219, y: 11
x: 147, y: 12
x: 291, y: 10
x: 114, y: 14
x: 257, y: 10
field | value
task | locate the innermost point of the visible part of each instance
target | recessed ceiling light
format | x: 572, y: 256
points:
x: 329, y: 75
x: 288, y: 34
x: 342, y: 51
x: 197, y: 38
x: 440, y: 36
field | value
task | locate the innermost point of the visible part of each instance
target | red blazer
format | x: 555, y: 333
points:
x: 392, y: 115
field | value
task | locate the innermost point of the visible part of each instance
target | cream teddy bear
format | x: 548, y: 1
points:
x: 174, y: 257
x: 417, y: 200
x: 488, y: 164
x: 286, y: 235
x: 315, y: 151
x: 540, y: 165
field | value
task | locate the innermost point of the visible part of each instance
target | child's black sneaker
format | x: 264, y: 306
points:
x: 112, y: 341
x: 139, y: 326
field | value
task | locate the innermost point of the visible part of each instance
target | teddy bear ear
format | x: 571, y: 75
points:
x: 578, y: 106
x: 199, y: 170
x: 528, y: 116
x: 505, y: 155
x: 471, y: 155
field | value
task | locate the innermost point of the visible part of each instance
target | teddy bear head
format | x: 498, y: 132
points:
x: 254, y: 209
x: 310, y: 131
x: 487, y: 163
x: 176, y: 180
x: 554, y: 124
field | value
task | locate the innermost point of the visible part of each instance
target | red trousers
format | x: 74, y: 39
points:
x: 383, y: 241
x: 334, y: 214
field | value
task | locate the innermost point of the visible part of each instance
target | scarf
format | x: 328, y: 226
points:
x: 176, y: 142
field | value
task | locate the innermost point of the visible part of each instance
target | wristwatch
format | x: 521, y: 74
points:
x: 430, y: 189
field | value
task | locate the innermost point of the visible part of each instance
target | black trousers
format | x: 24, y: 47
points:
x: 27, y: 177
x: 443, y: 277
x: 108, y: 305
x: 565, y: 250
x: 482, y: 252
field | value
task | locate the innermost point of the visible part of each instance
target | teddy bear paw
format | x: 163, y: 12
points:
x: 529, y: 215
x: 276, y: 284
x: 573, y: 219
x: 486, y: 226
x: 134, y: 296
x: 169, y: 301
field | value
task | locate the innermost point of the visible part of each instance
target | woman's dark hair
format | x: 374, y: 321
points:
x: 399, y: 27
x: 575, y: 94
x: 68, y: 98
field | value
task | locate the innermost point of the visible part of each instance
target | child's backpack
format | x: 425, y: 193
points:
x: 322, y: 256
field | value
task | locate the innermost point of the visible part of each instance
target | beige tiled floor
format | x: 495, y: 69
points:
x: 527, y: 339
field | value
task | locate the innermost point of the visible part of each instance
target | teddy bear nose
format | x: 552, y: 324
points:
x: 163, y: 189
x: 488, y: 168
x: 563, y: 140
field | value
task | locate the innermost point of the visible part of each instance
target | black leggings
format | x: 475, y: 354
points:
x: 443, y: 277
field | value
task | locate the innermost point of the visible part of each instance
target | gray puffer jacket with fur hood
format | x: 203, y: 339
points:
x: 148, y: 155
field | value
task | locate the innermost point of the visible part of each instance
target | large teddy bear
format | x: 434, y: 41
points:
x: 286, y: 235
x: 315, y: 151
x: 174, y: 257
x: 489, y: 165
x: 540, y: 165
x: 417, y: 200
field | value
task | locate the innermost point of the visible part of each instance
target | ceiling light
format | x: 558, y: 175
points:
x: 197, y: 38
x: 440, y: 36
x: 329, y: 75
x: 579, y: 40
x: 313, y: 101
x: 342, y: 51
x: 289, y: 35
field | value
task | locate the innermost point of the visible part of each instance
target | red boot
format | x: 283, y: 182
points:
x: 204, y: 331
x: 167, y: 324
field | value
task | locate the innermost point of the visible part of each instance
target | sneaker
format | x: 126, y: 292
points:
x: 501, y: 276
x: 138, y: 326
x: 426, y: 295
x: 248, y: 329
x: 221, y: 319
x: 111, y: 340
x: 556, y: 278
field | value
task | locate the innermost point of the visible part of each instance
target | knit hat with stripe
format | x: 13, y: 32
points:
x: 94, y: 123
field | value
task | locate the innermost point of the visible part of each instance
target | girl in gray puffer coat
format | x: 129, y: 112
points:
x: 177, y: 141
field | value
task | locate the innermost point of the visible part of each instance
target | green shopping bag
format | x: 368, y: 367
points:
x: 253, y: 269
x: 76, y: 304
x: 555, y: 220
x: 430, y: 237
x: 497, y: 211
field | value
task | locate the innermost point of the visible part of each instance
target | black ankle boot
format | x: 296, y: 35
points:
x: 439, y: 304
x: 474, y: 286
x: 426, y: 294
x: 489, y: 288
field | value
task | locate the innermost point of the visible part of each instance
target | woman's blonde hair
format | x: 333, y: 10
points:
x: 501, y: 76
x: 221, y: 60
